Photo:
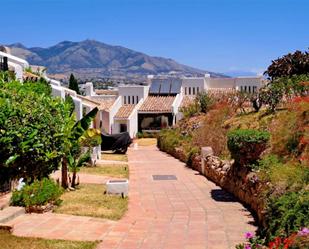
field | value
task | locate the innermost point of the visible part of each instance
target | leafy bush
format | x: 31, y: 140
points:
x: 38, y: 193
x: 247, y: 145
x: 204, y: 101
x: 32, y: 131
x: 169, y: 139
x: 287, y: 214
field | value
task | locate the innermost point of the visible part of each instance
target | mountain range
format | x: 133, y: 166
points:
x: 91, y: 59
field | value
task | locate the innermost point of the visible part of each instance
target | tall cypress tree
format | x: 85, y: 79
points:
x: 73, y: 85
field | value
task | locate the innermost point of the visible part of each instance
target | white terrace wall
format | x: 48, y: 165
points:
x: 112, y: 112
x: 248, y: 84
x: 220, y: 83
x: 132, y: 94
x: 133, y: 120
x: 192, y: 86
x: 175, y: 106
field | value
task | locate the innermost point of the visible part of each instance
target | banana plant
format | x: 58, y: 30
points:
x: 73, y: 146
x: 75, y: 163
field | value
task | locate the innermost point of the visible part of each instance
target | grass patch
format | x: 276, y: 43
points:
x: 90, y: 200
x: 9, y: 241
x: 112, y: 170
x: 147, y: 141
x: 114, y: 157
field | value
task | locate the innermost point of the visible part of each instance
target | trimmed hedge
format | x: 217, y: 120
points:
x: 246, y: 146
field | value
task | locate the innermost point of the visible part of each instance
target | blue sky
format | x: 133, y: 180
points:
x: 218, y: 35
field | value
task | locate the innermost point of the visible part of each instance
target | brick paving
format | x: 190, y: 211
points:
x: 188, y: 213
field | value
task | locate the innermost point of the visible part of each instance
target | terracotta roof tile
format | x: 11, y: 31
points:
x: 106, y: 92
x: 105, y: 103
x: 157, y: 104
x: 124, y: 111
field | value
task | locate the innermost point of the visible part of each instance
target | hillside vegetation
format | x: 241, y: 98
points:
x: 270, y: 140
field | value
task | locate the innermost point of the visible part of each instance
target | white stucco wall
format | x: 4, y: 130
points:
x: 18, y: 69
x: 176, y: 104
x: 112, y: 112
x: 11, y: 58
x: 57, y: 91
x: 248, y: 84
x: 220, y: 83
x: 132, y: 94
x: 133, y: 120
x: 192, y: 86
x: 78, y: 108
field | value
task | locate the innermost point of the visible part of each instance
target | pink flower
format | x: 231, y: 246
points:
x: 247, y: 246
x: 304, y: 232
x: 248, y: 235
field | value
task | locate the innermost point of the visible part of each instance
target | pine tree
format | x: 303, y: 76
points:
x: 73, y: 85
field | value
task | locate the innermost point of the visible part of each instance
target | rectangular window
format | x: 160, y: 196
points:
x: 241, y: 88
x: 189, y: 90
x: 193, y: 90
x: 185, y: 91
x: 197, y: 90
x: 125, y: 100
x: 245, y: 89
x: 249, y: 89
x: 136, y: 99
x: 129, y: 100
x: 132, y: 99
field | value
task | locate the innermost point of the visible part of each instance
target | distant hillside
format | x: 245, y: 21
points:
x: 93, y: 59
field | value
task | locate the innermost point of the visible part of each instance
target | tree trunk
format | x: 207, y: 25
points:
x: 73, y: 179
x: 64, y: 173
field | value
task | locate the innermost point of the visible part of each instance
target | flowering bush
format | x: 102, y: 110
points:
x: 297, y: 240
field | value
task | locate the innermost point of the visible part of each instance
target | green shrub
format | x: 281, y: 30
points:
x: 32, y: 131
x: 37, y: 194
x: 168, y: 140
x: 247, y: 145
x: 287, y: 214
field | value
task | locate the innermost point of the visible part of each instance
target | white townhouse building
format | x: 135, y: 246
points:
x: 139, y: 108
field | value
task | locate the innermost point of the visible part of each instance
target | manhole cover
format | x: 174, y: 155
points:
x: 164, y: 177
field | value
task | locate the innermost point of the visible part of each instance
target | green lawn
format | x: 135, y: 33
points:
x: 112, y: 170
x: 90, y: 200
x: 114, y: 157
x: 9, y: 241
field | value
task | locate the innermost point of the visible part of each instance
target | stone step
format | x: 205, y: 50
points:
x: 10, y: 213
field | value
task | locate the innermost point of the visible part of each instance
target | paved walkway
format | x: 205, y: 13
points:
x: 187, y: 213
